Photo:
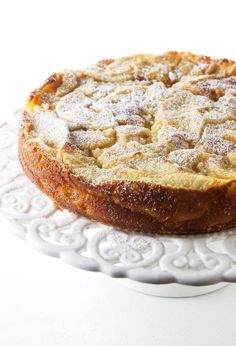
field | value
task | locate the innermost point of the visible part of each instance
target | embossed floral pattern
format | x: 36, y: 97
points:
x: 127, y: 249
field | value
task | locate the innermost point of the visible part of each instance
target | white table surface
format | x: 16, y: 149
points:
x: 44, y: 302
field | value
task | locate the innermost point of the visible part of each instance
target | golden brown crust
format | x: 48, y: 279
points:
x: 50, y: 85
x: 134, y: 205
x: 168, y: 210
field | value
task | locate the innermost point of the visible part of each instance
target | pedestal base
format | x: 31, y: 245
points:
x: 171, y: 290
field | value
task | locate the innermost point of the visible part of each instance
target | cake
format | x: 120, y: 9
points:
x: 144, y: 143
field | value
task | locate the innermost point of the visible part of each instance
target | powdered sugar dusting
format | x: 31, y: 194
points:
x: 217, y: 145
x: 69, y: 83
x: 92, y: 139
x: 54, y: 130
x: 145, y: 117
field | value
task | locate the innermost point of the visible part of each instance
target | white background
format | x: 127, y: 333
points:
x: 44, y: 302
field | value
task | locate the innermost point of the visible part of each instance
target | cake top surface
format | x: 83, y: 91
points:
x: 168, y: 119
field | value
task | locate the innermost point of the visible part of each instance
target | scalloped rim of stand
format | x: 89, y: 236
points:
x: 152, y: 259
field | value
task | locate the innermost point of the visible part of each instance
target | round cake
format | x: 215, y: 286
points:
x: 144, y: 143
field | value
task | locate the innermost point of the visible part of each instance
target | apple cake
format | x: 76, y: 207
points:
x: 144, y: 143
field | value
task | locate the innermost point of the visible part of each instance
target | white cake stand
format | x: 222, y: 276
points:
x: 167, y: 266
